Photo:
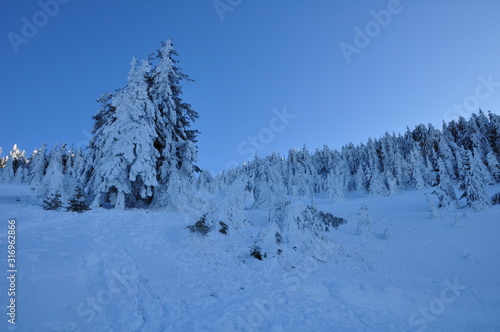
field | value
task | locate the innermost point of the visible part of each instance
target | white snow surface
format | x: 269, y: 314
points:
x: 142, y: 270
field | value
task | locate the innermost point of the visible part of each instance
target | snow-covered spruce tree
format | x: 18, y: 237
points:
x: 143, y: 150
x: 52, y: 201
x: 269, y: 188
x: 175, y: 141
x: 364, y: 223
x: 335, y: 184
x: 54, y: 180
x: 301, y: 178
x: 15, y: 168
x: 473, y: 184
x: 123, y: 158
x: 2, y: 162
x: 77, y: 202
x: 38, y: 165
x: 416, y: 165
x: 443, y: 186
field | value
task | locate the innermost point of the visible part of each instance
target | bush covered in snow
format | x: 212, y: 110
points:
x: 77, y: 202
x: 223, y: 227
x: 52, y: 202
x: 495, y: 199
x: 320, y: 220
x: 256, y: 252
x: 201, y: 226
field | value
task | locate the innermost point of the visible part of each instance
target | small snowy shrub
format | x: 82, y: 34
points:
x: 223, y: 229
x: 52, y: 202
x: 200, y: 226
x: 495, y: 199
x: 321, y: 220
x: 279, y: 238
x: 77, y: 202
x: 364, y: 223
x: 330, y: 220
x: 256, y: 252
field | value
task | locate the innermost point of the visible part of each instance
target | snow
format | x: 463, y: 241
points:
x: 142, y: 270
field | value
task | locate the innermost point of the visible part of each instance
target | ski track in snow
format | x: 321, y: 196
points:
x: 143, y: 271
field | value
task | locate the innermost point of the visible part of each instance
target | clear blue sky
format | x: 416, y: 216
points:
x: 262, y: 56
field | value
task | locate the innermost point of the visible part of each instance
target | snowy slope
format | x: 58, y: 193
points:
x: 142, y: 270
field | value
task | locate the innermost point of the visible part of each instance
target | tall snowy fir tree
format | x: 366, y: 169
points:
x: 443, y: 186
x: 15, y: 166
x: 123, y: 156
x: 54, y: 180
x: 175, y: 139
x: 38, y: 165
x: 473, y: 185
x: 143, y: 150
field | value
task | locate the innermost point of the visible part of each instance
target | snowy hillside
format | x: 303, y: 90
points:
x: 143, y: 270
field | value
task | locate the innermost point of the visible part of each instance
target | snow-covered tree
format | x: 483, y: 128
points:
x: 493, y: 165
x: 443, y: 187
x: 38, y: 164
x: 269, y: 187
x: 335, y: 184
x: 416, y: 165
x: 301, y: 173
x: 77, y: 202
x: 15, y: 168
x: 175, y: 140
x: 364, y: 223
x: 122, y: 152
x: 54, y: 181
x: 473, y: 186
x: 2, y: 162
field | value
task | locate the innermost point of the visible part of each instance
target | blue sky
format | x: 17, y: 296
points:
x: 269, y: 75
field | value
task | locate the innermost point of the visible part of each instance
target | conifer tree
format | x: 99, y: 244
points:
x: 123, y: 157
x: 54, y: 181
x: 175, y: 140
x: 473, y: 186
x: 38, y: 165
x: 52, y: 201
x: 443, y: 186
x: 77, y: 202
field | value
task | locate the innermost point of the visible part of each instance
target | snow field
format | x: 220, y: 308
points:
x: 142, y: 270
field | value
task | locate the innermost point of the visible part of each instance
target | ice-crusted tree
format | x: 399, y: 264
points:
x: 77, y: 202
x: 301, y: 173
x: 175, y: 140
x: 15, y: 169
x: 364, y: 223
x: 2, y: 162
x: 443, y: 186
x: 142, y: 152
x: 54, y: 181
x: 473, y: 184
x: 237, y: 197
x: 493, y: 165
x: 269, y: 187
x: 416, y: 166
x: 38, y: 165
x: 123, y: 157
x: 335, y: 184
